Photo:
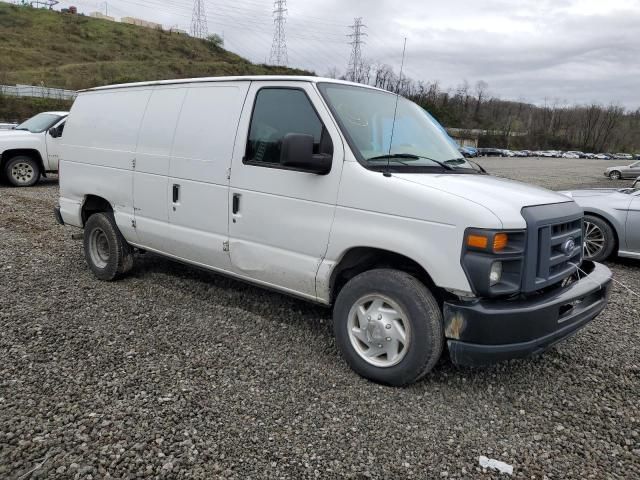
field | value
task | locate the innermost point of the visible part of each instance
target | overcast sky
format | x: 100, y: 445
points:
x: 535, y: 50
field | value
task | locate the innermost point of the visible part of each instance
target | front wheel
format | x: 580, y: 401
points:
x: 388, y: 327
x: 22, y: 171
x: 599, y: 239
x: 106, y: 251
x: 615, y: 175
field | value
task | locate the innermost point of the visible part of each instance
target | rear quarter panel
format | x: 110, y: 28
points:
x: 97, y: 151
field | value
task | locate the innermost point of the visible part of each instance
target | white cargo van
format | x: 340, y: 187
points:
x: 338, y: 193
x: 31, y: 149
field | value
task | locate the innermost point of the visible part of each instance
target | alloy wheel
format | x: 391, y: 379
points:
x: 594, y: 240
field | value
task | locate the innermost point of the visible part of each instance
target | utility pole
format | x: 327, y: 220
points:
x: 199, y: 27
x: 355, y: 67
x: 279, y: 46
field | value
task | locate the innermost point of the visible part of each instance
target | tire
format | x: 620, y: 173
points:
x: 599, y: 239
x: 22, y: 171
x: 615, y: 175
x: 395, y: 299
x: 106, y: 251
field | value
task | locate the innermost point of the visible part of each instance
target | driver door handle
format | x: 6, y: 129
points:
x: 236, y: 203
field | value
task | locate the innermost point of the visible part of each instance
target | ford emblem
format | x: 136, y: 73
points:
x: 569, y: 246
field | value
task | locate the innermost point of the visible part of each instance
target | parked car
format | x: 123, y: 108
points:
x: 590, y: 155
x: 628, y: 171
x: 491, y: 152
x: 31, y: 149
x: 623, y: 156
x: 469, y: 152
x: 570, y: 155
x: 611, y: 221
x: 602, y: 156
x: 412, y: 247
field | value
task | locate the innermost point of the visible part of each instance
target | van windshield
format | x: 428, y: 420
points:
x: 39, y: 123
x: 418, y: 142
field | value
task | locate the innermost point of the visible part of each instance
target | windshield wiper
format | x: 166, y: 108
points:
x: 412, y: 157
x: 20, y: 128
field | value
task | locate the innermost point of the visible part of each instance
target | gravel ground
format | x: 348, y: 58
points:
x: 178, y: 373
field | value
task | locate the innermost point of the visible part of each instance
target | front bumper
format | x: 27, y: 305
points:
x: 482, y: 332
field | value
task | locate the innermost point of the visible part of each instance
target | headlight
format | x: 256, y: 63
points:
x: 493, y: 261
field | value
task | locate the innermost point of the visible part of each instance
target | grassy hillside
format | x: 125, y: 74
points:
x: 75, y: 52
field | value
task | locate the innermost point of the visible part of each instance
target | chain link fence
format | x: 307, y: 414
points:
x: 37, y: 91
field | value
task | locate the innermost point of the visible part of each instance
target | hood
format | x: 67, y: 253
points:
x: 505, y: 198
x: 594, y: 192
x: 7, y: 134
x: 620, y: 167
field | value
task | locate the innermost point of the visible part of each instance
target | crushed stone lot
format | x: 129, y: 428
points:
x: 178, y: 373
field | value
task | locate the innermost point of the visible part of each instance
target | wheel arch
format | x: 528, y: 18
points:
x: 360, y: 259
x: 610, y: 221
x: 94, y: 204
x: 28, y: 152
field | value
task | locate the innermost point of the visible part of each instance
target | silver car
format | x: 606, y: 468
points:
x: 630, y: 171
x: 611, y: 221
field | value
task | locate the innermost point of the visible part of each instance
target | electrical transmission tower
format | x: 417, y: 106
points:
x: 279, y: 45
x: 199, y: 20
x: 355, y: 70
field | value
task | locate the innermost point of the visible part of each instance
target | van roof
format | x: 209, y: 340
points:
x: 261, y: 78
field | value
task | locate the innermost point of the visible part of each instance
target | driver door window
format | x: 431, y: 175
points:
x: 277, y: 112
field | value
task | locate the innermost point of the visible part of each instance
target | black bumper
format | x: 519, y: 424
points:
x: 482, y: 332
x: 56, y: 212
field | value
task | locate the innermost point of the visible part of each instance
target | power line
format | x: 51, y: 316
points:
x: 199, y: 20
x: 279, y: 45
x: 355, y: 69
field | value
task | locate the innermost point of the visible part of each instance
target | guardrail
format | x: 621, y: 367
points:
x: 37, y: 91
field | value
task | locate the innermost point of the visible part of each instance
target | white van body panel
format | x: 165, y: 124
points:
x: 202, y: 150
x: 281, y: 232
x: 106, y: 141
x: 152, y: 156
x: 391, y: 214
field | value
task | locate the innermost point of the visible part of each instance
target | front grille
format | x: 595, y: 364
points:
x: 554, y: 244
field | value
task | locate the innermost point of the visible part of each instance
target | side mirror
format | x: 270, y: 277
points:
x: 297, y: 152
x: 54, y: 132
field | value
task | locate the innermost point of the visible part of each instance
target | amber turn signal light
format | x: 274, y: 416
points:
x: 500, y: 242
x: 477, y: 241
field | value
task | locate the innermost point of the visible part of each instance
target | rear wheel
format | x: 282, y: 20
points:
x: 106, y: 251
x: 599, y: 239
x: 388, y: 327
x: 615, y: 175
x: 22, y: 171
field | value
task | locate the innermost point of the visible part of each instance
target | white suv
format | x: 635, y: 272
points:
x: 31, y: 149
x: 338, y: 193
